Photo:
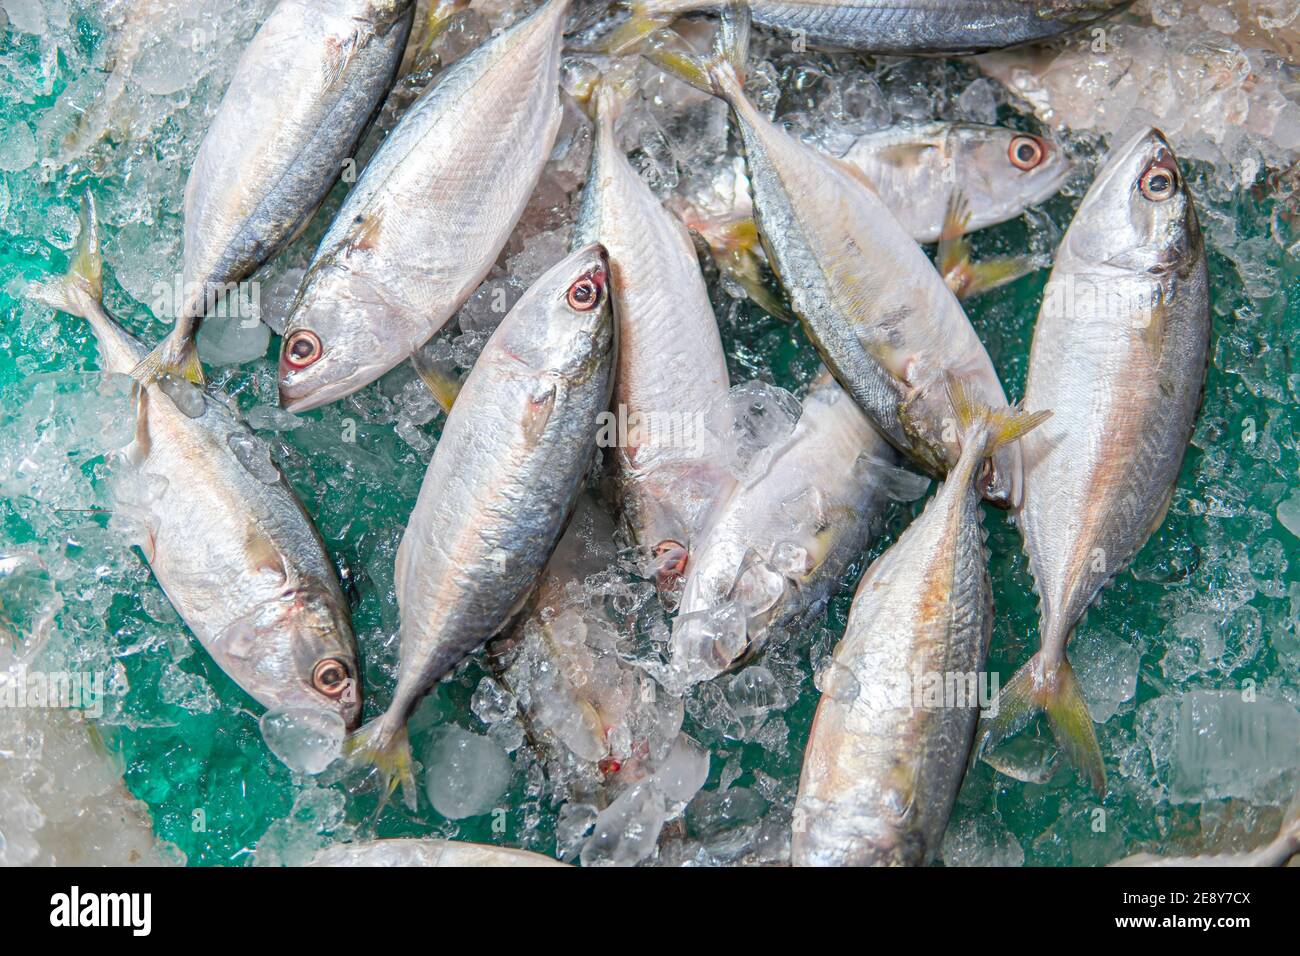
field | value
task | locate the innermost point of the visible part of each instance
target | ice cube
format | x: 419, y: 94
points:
x: 680, y: 775
x: 626, y: 831
x: 1230, y: 742
x: 305, y: 739
x: 465, y: 774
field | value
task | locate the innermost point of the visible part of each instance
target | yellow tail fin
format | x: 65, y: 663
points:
x: 176, y: 355
x: 84, y: 278
x: 722, y: 69
x: 1005, y: 424
x: 1059, y: 696
x: 390, y: 753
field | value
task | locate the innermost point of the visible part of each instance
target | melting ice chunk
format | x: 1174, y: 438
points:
x: 1227, y: 745
x: 305, y: 739
x: 626, y: 831
x: 681, y: 774
x: 255, y: 455
x: 466, y: 774
x: 753, y: 416
x: 233, y: 340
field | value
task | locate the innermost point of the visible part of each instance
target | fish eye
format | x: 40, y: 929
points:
x: 330, y: 677
x: 1026, y: 152
x: 1158, y: 182
x: 302, y: 348
x: 584, y: 295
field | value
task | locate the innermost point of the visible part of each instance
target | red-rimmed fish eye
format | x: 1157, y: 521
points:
x: 331, y: 677
x: 1026, y: 152
x: 1159, y: 181
x: 584, y: 295
x: 302, y: 349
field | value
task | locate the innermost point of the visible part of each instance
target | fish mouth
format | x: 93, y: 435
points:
x: 302, y: 404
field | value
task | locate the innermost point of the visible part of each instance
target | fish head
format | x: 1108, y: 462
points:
x: 298, y: 652
x: 1138, y: 216
x: 564, y: 324
x: 334, y: 339
x: 1004, y: 170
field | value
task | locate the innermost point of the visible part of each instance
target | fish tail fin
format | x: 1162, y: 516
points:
x: 83, y: 283
x: 387, y: 751
x: 1005, y: 425
x: 605, y: 96
x: 176, y: 355
x: 647, y: 18
x: 722, y: 71
x: 1058, y: 695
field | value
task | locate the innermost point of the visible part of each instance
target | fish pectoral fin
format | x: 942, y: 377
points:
x: 141, y: 444
x: 263, y: 555
x: 855, y: 173
x: 538, y: 412
x: 905, y: 154
x: 341, y: 54
x: 968, y: 278
x: 962, y: 274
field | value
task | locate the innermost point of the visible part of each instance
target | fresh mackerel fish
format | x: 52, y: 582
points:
x: 504, y: 479
x: 941, y: 180
x: 225, y: 535
x: 880, y: 315
x: 1119, y: 354
x: 904, y: 27
x: 671, y: 370
x: 302, y: 95
x: 779, y: 544
x: 433, y: 209
x: 998, y: 171
x: 892, y: 735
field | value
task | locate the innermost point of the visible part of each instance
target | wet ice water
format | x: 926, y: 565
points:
x: 1189, y: 662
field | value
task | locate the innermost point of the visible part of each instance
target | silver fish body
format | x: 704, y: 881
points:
x: 869, y: 298
x: 434, y: 207
x: 780, y: 542
x: 1000, y: 172
x: 225, y: 535
x: 410, y: 852
x: 671, y: 370
x: 883, y: 764
x: 304, y: 91
x: 1119, y: 355
x: 910, y: 27
x: 503, y: 480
